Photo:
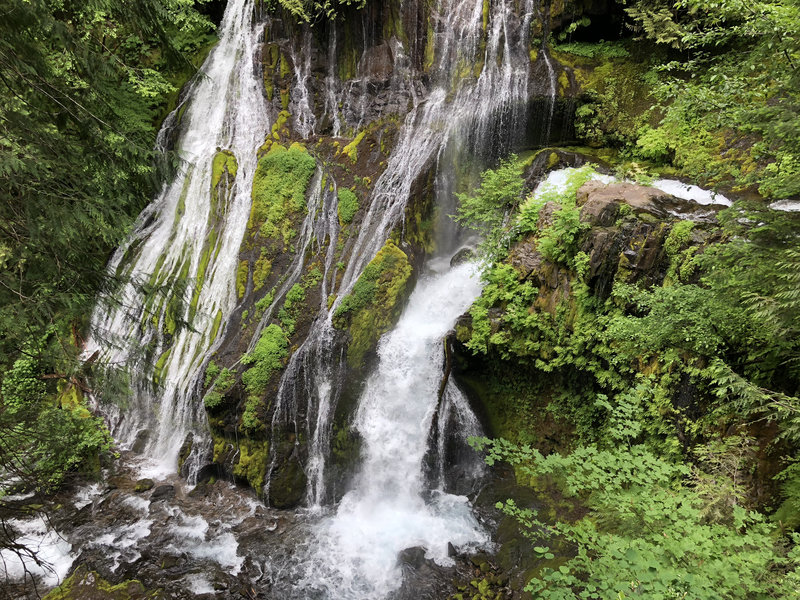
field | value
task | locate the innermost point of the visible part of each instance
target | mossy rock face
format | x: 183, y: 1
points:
x: 373, y: 305
x: 279, y: 192
x: 287, y: 486
x: 88, y: 585
x: 143, y: 485
x: 253, y: 462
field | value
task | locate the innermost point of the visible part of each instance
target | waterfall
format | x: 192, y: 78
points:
x: 355, y: 552
x: 498, y: 94
x: 304, y: 119
x: 455, y: 465
x: 551, y: 99
x: 179, y: 264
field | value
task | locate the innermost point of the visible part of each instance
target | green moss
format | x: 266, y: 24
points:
x: 221, y: 381
x: 265, y: 359
x: 251, y: 422
x: 84, y: 584
x: 263, y: 304
x: 223, y: 162
x: 279, y: 126
x: 241, y: 278
x: 285, y: 69
x: 271, y: 59
x: 279, y: 191
x: 678, y: 237
x: 348, y: 205
x: 371, y: 308
x: 161, y: 363
x: 215, y: 327
x: 71, y: 399
x: 261, y: 271
x: 288, y: 315
x: 430, y: 46
x: 253, y: 462
x: 351, y: 150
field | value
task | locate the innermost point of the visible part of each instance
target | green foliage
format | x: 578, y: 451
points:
x: 562, y: 195
x: 83, y: 87
x: 48, y: 432
x: 487, y: 208
x: 559, y: 242
x: 312, y: 11
x: 348, y: 205
x: 600, y: 49
x: 646, y: 532
x: 279, y: 191
x: 730, y: 101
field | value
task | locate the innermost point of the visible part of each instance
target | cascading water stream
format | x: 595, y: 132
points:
x: 499, y: 93
x: 354, y: 555
x: 551, y: 100
x: 465, y: 111
x: 184, y: 250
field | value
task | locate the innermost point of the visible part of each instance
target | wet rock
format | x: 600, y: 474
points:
x: 84, y: 584
x: 185, y: 451
x: 640, y: 198
x: 288, y: 485
x: 377, y: 62
x: 600, y: 204
x: 412, y: 557
x: 143, y: 485
x: 546, y: 214
x: 423, y: 579
x: 140, y: 443
x: 465, y: 254
x: 163, y: 492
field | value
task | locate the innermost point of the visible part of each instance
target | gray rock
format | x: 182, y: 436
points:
x: 163, y: 492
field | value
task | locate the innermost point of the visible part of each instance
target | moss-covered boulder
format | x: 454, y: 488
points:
x: 373, y: 305
x: 88, y: 585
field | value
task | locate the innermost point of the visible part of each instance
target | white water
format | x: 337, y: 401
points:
x: 54, y: 553
x: 786, y: 205
x: 226, y: 109
x: 690, y: 192
x: 456, y: 418
x: 551, y: 100
x: 355, y: 551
